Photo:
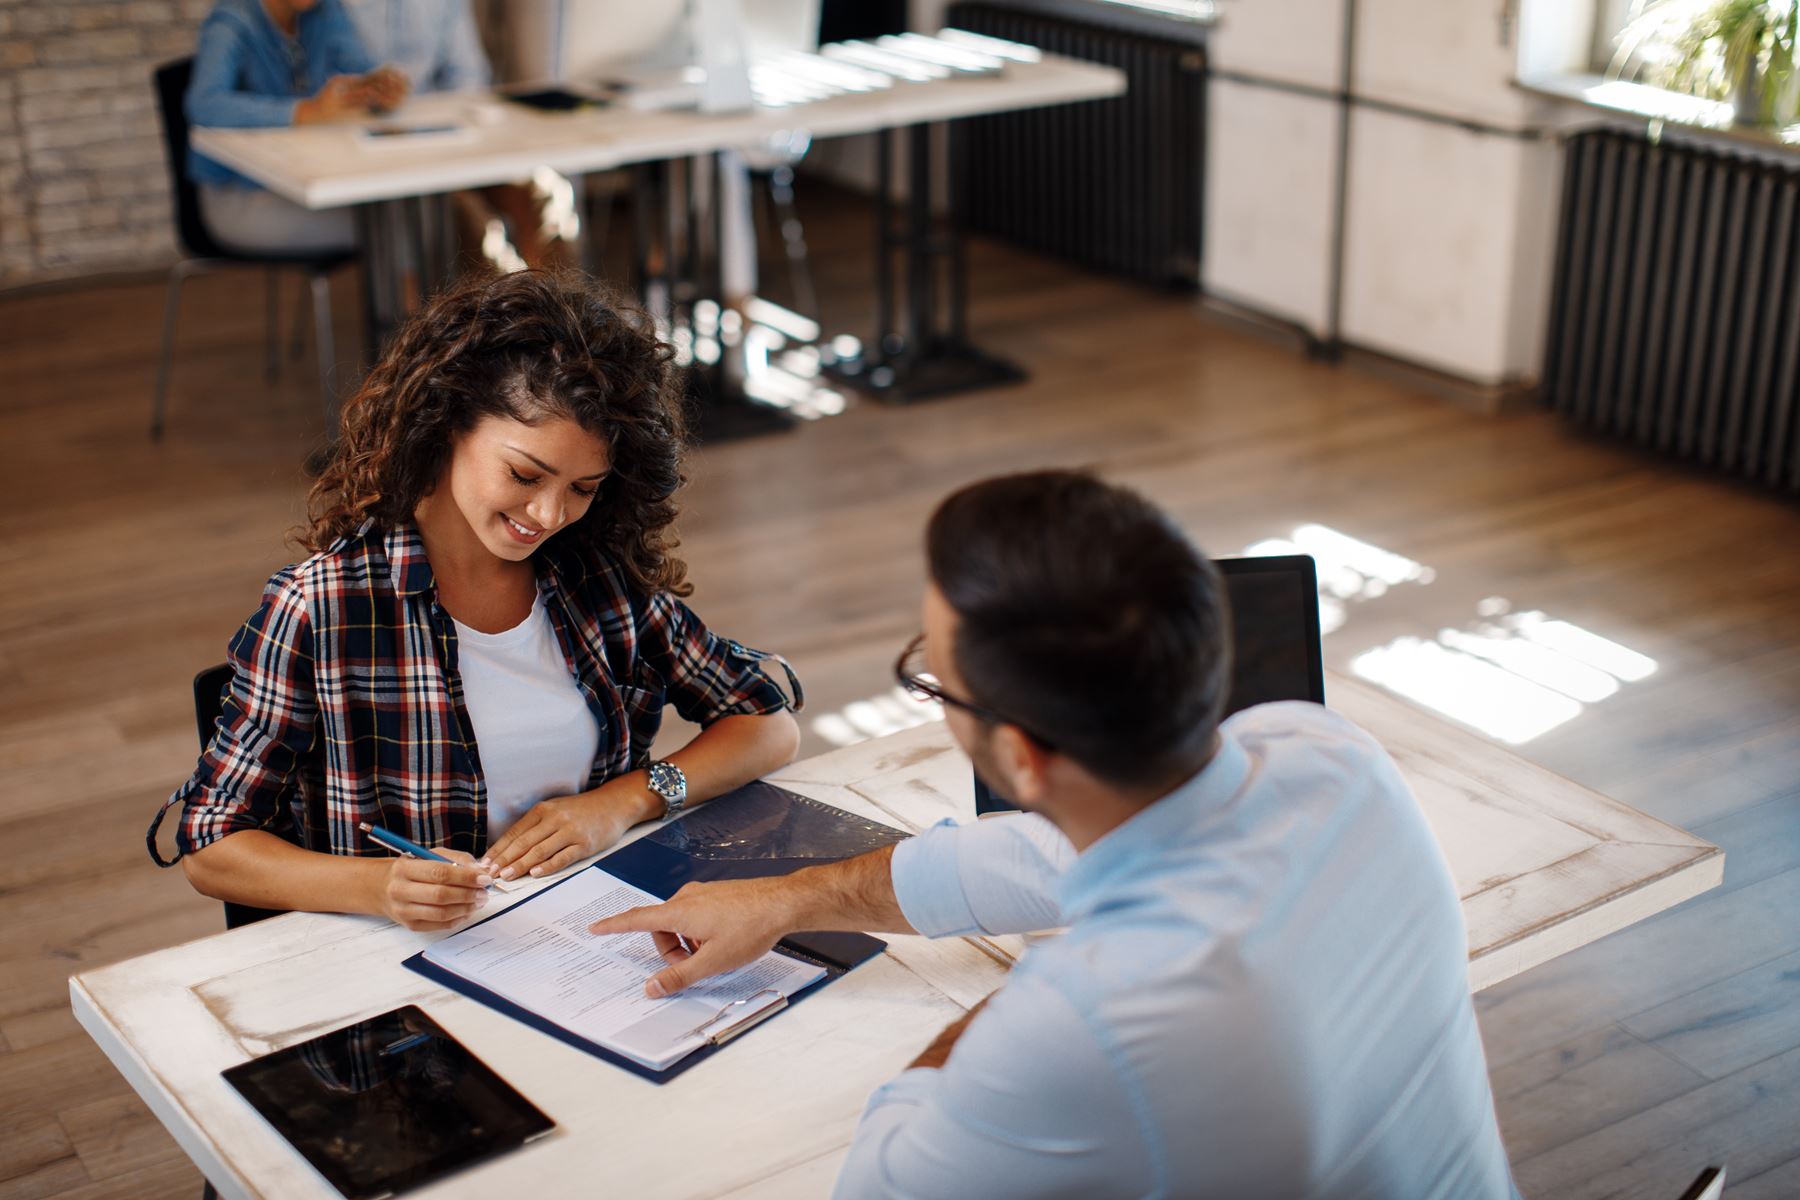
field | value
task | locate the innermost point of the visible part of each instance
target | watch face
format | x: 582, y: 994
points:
x: 666, y: 781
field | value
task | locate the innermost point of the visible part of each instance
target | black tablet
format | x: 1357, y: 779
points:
x: 552, y: 99
x: 387, y: 1104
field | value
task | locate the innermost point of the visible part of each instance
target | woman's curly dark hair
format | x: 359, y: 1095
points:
x: 530, y: 345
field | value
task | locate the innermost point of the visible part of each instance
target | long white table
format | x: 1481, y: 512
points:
x: 327, y: 166
x: 1543, y: 865
x: 927, y: 353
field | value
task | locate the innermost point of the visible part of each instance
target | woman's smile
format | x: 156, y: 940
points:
x: 525, y: 534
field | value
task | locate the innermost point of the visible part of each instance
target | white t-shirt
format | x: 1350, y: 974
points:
x: 536, y: 735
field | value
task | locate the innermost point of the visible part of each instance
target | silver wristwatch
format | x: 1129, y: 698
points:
x: 667, y: 781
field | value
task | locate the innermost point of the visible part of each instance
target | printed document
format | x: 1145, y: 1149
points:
x: 539, y: 955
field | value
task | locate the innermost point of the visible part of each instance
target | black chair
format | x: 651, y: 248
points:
x: 1710, y: 1185
x: 205, y: 254
x: 209, y: 702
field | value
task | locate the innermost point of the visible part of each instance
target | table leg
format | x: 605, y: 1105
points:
x: 369, y: 240
x: 445, y: 209
x: 384, y: 229
x: 689, y: 266
x: 412, y: 214
x: 722, y: 411
x: 649, y: 269
x: 884, y: 245
x: 921, y: 274
x: 930, y: 358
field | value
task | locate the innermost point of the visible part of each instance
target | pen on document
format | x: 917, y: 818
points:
x: 398, y: 844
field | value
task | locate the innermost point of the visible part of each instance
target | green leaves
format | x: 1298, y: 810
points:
x: 1717, y: 49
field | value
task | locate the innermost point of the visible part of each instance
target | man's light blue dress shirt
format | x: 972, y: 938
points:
x: 434, y: 41
x: 1262, y: 992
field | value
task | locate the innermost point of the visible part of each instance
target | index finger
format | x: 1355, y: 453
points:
x: 709, y: 960
x: 650, y: 918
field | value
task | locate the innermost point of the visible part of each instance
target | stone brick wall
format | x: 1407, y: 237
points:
x: 83, y: 183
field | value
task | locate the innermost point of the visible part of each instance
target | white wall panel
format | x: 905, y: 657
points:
x: 1454, y: 57
x: 1295, y: 41
x: 1269, y: 176
x: 1448, y: 246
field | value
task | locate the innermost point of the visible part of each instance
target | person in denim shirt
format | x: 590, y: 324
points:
x: 271, y: 63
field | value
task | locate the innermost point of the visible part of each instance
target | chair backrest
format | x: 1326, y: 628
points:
x: 209, y: 703
x: 209, y: 699
x: 171, y: 102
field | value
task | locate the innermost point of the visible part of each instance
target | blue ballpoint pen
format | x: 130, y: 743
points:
x: 398, y: 844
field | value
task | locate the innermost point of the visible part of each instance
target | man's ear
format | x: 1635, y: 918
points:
x: 1026, y: 761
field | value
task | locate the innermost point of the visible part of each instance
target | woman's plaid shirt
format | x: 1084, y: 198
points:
x: 345, y: 704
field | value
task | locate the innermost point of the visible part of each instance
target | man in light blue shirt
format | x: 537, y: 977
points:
x: 1262, y: 990
x: 434, y: 41
x: 437, y: 44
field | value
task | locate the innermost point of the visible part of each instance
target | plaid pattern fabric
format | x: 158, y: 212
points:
x: 345, y: 704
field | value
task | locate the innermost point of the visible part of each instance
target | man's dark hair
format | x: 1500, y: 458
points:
x: 1087, y: 618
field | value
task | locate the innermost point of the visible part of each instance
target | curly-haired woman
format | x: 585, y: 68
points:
x: 478, y: 653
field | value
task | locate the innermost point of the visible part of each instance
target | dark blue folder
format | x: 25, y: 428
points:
x: 755, y: 831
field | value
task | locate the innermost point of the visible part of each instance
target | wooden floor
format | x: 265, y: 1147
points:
x: 1620, y: 1069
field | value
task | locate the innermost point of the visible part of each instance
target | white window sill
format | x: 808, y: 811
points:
x: 1653, y: 104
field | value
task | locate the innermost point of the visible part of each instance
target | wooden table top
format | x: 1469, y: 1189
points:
x: 1543, y: 866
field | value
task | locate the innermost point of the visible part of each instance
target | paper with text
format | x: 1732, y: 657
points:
x: 539, y: 955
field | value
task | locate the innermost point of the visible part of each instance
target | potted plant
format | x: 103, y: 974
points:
x: 1743, y: 51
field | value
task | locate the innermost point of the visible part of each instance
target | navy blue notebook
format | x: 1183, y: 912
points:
x: 755, y: 831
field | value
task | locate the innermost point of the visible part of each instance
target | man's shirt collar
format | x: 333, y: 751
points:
x: 1119, y: 856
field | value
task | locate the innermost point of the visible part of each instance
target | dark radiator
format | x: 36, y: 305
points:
x: 1675, y: 316
x: 1110, y: 184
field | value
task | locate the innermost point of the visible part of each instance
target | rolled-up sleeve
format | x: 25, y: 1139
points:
x: 1029, y: 1104
x: 708, y: 676
x: 267, y: 722
x: 993, y: 876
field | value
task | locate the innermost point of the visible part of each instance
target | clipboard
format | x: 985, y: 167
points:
x: 756, y: 831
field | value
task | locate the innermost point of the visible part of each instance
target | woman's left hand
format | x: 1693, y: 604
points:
x: 554, y: 833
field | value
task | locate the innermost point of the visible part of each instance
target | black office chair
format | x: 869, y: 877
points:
x: 1709, y: 1185
x: 205, y: 254
x: 209, y: 702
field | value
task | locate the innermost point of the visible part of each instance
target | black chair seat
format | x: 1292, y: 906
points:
x: 172, y: 79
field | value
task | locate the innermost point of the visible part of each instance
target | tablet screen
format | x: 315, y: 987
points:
x: 387, y: 1104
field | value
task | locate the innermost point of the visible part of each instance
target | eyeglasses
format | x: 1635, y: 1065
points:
x: 921, y: 684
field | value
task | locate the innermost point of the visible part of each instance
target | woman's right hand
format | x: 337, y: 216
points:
x: 341, y: 96
x: 425, y: 895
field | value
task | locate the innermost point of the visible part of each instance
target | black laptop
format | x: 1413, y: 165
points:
x: 1276, y: 653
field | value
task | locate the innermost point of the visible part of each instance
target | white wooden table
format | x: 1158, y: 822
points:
x: 1543, y: 866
